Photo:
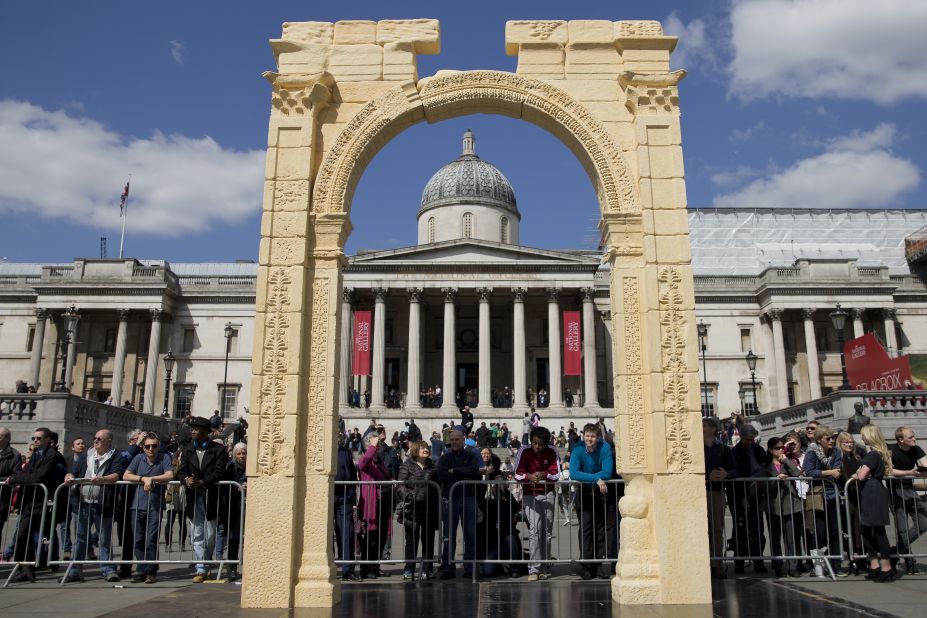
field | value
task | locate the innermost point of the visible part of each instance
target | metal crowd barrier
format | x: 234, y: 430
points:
x: 802, y: 523
x: 386, y: 522
x: 99, y: 527
x: 23, y: 527
x: 907, y: 517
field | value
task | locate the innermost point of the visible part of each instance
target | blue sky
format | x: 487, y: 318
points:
x: 788, y: 103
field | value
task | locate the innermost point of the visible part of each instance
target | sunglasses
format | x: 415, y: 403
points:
x: 96, y: 439
x: 150, y: 446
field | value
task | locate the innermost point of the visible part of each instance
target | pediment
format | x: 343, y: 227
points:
x: 471, y: 252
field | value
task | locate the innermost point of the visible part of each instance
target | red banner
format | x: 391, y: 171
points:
x: 869, y: 368
x: 572, y: 346
x: 362, y: 332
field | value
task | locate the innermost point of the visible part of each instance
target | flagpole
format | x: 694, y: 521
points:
x: 125, y: 214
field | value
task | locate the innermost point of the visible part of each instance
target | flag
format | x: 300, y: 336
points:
x: 572, y: 363
x: 361, y: 360
x: 123, y: 199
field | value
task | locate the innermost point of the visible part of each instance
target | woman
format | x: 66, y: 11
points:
x: 374, y: 506
x: 850, y: 463
x: 874, y: 500
x: 822, y: 463
x: 783, y: 507
x: 420, y: 508
x: 538, y: 468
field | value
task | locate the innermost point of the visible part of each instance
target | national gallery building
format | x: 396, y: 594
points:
x: 471, y: 313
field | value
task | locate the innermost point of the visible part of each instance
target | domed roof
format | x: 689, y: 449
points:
x: 469, y: 180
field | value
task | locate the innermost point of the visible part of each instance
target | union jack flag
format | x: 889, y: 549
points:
x: 123, y: 198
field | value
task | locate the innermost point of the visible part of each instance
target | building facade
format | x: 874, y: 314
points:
x: 470, y: 311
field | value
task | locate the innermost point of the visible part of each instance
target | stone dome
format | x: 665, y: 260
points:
x: 468, y: 179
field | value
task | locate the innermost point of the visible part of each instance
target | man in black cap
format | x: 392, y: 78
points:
x: 202, y: 466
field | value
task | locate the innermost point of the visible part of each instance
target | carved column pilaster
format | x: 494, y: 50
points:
x: 553, y: 348
x: 119, y: 360
x: 519, y: 379
x: 414, y: 368
x: 858, y: 329
x: 590, y: 383
x: 379, y: 350
x: 151, y: 366
x: 38, y: 345
x: 811, y: 347
x: 485, y: 371
x: 781, y: 374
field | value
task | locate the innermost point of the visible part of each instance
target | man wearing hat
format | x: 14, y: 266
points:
x: 202, y: 466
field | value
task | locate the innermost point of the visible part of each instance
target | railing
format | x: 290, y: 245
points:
x: 20, y: 407
x: 869, y: 272
x: 145, y: 271
x: 907, y: 518
x: 199, y: 281
x: 24, y: 527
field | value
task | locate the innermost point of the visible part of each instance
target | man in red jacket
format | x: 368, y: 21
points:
x: 538, y: 468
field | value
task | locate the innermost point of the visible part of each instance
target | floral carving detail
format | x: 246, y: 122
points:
x: 675, y: 385
x: 317, y: 398
x: 272, y: 455
x: 630, y: 299
x: 639, y: 28
x: 340, y: 166
x: 543, y: 29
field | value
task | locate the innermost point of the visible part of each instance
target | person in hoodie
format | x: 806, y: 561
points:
x: 538, y: 467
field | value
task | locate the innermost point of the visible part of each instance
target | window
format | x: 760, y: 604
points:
x: 505, y: 229
x: 431, y: 229
x: 468, y: 225
x: 189, y: 337
x: 109, y: 341
x: 140, y: 393
x: 749, y: 398
x: 228, y: 399
x: 30, y: 338
x: 793, y: 391
x: 708, y: 399
x: 183, y: 400
x: 746, y: 343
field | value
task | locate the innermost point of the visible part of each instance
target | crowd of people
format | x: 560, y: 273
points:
x: 794, y: 492
x: 105, y: 505
x: 432, y: 397
x: 450, y: 488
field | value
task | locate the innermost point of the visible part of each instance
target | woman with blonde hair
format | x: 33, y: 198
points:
x: 873, y: 501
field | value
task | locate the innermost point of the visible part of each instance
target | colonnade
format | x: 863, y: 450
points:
x: 449, y: 359
x: 154, y: 343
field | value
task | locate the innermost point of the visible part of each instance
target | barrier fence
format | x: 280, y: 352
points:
x: 907, y: 520
x: 113, y: 526
x: 23, y: 526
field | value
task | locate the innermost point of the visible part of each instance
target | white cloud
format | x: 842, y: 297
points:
x: 855, y: 171
x: 734, y: 177
x: 745, y: 135
x: 64, y: 167
x: 693, y: 47
x: 177, y: 51
x: 849, y: 49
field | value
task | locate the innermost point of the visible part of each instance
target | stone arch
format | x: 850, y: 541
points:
x: 450, y: 94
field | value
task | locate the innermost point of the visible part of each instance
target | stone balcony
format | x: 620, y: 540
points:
x: 72, y: 417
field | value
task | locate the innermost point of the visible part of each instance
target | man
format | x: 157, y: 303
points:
x: 78, y: 448
x: 593, y: 466
x: 719, y: 466
x: 807, y: 439
x: 152, y: 469
x: 94, y: 474
x: 10, y: 462
x: 525, y: 428
x: 215, y: 421
x: 909, y: 462
x: 437, y: 446
x: 456, y: 465
x: 482, y: 435
x: 466, y: 419
x: 538, y: 467
x: 389, y: 455
x: 345, y: 498
x: 355, y: 441
x: 202, y: 466
x: 744, y: 503
x: 125, y: 522
x: 414, y: 434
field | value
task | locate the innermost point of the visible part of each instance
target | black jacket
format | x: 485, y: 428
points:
x: 48, y: 470
x: 418, y: 491
x: 10, y: 462
x: 346, y: 471
x: 108, y: 493
x: 210, y: 472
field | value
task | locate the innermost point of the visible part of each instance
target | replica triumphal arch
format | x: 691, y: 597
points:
x: 341, y: 92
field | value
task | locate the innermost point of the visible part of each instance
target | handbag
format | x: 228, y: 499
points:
x: 403, y: 511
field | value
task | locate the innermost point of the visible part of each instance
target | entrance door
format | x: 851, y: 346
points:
x: 468, y: 379
x: 391, y: 384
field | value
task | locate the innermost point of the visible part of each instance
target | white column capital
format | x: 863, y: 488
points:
x: 415, y: 294
x: 484, y: 294
x: 553, y: 294
x: 41, y: 314
x: 857, y: 312
x: 450, y: 294
x: 123, y: 314
x: 774, y: 315
x: 347, y: 295
x: 156, y: 315
x: 519, y: 294
x: 808, y: 313
x: 588, y: 294
x: 380, y: 294
x: 890, y: 314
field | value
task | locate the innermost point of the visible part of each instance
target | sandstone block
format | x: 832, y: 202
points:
x: 291, y: 195
x: 673, y: 249
x: 399, y: 62
x: 292, y: 163
x: 638, y: 28
x: 423, y: 34
x: 624, y: 133
x: 355, y: 31
x: 287, y: 224
x: 670, y: 221
x: 356, y: 62
x: 315, y: 32
x: 591, y: 31
x: 659, y: 131
x: 665, y: 162
x: 521, y: 31
x: 288, y: 251
x: 590, y: 89
x: 608, y: 112
x: 361, y: 92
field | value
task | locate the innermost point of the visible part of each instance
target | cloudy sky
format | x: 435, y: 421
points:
x: 788, y: 103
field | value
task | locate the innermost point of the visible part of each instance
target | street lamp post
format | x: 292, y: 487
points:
x: 838, y: 318
x: 168, y: 367
x: 229, y: 331
x: 702, y: 337
x: 751, y: 365
x: 61, y: 386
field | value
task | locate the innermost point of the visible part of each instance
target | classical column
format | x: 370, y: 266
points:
x: 448, y: 386
x: 519, y: 383
x: 379, y: 349
x: 782, y: 387
x: 814, y: 374
x: 38, y: 343
x: 72, y: 354
x: 485, y: 385
x: 857, y: 313
x: 414, y: 370
x: 151, y: 368
x: 891, y: 342
x: 555, y: 388
x: 345, y: 374
x: 119, y: 362
x: 590, y: 385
